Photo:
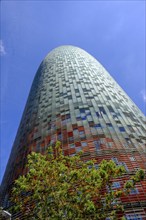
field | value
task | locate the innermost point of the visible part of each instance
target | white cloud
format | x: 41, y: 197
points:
x: 2, y: 48
x: 143, y: 94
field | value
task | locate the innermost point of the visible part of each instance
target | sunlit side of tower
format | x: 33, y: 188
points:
x: 74, y: 99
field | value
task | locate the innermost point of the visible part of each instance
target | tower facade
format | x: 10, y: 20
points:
x: 74, y: 99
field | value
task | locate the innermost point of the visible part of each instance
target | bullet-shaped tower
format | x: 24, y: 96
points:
x: 74, y: 99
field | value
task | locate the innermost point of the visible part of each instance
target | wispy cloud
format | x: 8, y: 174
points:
x: 143, y: 94
x: 2, y: 48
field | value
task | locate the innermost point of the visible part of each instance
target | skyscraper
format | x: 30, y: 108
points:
x: 74, y: 99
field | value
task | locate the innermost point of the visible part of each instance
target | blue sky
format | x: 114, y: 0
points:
x: 112, y: 31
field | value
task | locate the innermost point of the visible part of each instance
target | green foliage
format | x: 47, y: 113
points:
x: 59, y: 187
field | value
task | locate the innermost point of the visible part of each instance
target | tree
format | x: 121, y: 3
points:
x: 58, y: 187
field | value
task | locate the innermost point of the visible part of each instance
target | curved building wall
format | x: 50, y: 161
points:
x: 74, y: 99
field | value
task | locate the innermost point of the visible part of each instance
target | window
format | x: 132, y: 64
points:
x: 83, y: 117
x: 132, y: 158
x: 82, y: 110
x: 84, y: 144
x: 102, y: 110
x: 133, y: 217
x: 122, y: 129
x: 75, y: 132
x: 60, y: 136
x: 134, y: 191
x: 70, y: 138
x: 110, y: 144
x: 90, y: 167
x: 115, y: 160
x: 78, y: 149
x: 82, y: 135
x: 96, y: 166
x: 98, y: 115
x: 88, y: 113
x: 97, y: 144
x: 110, y: 108
x: 116, y: 185
x: 109, y: 125
x: 98, y: 126
x: 128, y: 140
x: 78, y: 117
x: 81, y: 132
x: 72, y: 145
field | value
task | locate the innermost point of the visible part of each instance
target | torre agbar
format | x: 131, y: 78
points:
x: 74, y: 99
